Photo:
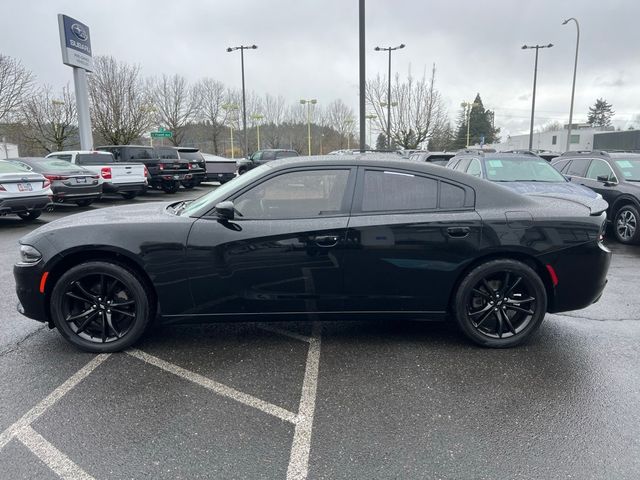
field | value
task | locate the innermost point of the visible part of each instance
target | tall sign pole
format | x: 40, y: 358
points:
x: 75, y: 42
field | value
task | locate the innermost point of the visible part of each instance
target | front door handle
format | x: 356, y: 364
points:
x: 458, y: 232
x: 326, y: 240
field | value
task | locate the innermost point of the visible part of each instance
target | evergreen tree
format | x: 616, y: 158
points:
x: 600, y: 114
x: 443, y: 139
x: 481, y: 126
x: 381, y: 142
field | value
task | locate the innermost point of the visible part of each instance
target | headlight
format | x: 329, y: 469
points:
x: 28, y: 254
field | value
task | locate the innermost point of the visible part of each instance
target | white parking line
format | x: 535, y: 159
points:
x: 299, y: 458
x: 51, y: 456
x: 217, y: 387
x: 286, y: 333
x: 49, y: 400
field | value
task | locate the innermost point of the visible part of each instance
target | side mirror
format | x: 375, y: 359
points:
x: 603, y: 178
x: 225, y: 210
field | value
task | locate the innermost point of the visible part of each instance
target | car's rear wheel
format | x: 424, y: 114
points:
x: 500, y: 303
x: 625, y: 225
x: 188, y: 184
x: 170, y: 187
x: 30, y: 215
x: 100, y: 307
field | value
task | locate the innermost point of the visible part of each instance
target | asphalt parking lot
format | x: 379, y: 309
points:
x: 324, y: 400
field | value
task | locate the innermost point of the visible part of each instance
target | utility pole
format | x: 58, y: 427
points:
x: 242, y: 48
x: 573, y: 86
x: 389, y: 49
x: 535, y: 77
x: 308, y: 103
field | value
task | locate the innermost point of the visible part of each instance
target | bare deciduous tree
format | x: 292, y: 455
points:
x: 176, y: 104
x: 340, y: 117
x: 274, y: 115
x: 417, y: 110
x: 50, y: 121
x: 213, y: 96
x: 16, y: 84
x: 120, y: 105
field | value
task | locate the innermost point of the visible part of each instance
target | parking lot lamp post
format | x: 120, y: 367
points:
x: 468, y: 106
x: 242, y: 48
x: 535, y: 77
x: 308, y: 103
x: 231, y: 107
x: 389, y: 49
x: 348, y: 124
x: 257, y: 117
x: 370, y: 117
x: 573, y: 86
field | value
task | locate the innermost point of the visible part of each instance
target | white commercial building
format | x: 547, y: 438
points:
x: 554, y: 141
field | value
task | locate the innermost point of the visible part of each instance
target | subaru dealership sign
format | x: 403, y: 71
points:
x: 75, y: 41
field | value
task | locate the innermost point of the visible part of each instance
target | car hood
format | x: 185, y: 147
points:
x: 562, y: 188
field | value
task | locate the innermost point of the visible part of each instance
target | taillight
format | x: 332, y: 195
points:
x: 46, y: 183
x: 161, y: 166
x: 106, y: 173
x: 51, y: 178
x: 189, y: 166
x: 146, y: 172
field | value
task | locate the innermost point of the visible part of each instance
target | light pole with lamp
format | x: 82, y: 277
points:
x: 389, y: 49
x: 348, y: 124
x: 231, y: 107
x: 370, y: 117
x: 242, y: 48
x: 573, y: 87
x: 308, y: 103
x: 468, y: 106
x: 257, y: 117
x: 535, y: 77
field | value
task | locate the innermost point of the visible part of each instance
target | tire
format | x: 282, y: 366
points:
x: 188, y: 184
x: 30, y: 215
x: 129, y: 195
x: 170, y: 187
x: 242, y: 171
x: 482, y: 301
x: 103, y: 328
x: 626, y: 226
x: 84, y: 203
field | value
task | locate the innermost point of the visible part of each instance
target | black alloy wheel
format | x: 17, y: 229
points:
x: 625, y: 225
x: 500, y: 303
x: 170, y: 186
x: 30, y: 215
x: 100, y: 307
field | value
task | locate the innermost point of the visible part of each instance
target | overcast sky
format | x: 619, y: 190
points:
x: 309, y: 48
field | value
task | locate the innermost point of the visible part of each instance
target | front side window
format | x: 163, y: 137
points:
x: 474, y: 168
x: 394, y: 191
x: 600, y: 168
x: 300, y: 194
x: 256, y: 156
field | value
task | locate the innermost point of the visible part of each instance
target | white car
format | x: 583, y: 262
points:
x: 22, y: 192
x: 125, y: 178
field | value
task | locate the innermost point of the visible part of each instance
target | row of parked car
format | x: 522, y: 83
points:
x: 29, y: 185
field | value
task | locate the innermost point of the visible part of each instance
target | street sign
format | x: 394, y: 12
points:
x: 75, y: 42
x: 161, y: 134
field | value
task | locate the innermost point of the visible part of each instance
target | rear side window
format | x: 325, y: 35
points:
x: 394, y: 191
x: 267, y: 156
x: 93, y: 158
x: 462, y: 165
x: 451, y: 196
x: 474, y: 168
x: 560, y: 166
x: 578, y: 167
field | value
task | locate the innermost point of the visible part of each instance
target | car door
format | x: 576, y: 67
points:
x: 283, y: 252
x: 597, y: 170
x: 408, y: 237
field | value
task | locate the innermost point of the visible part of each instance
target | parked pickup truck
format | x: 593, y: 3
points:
x: 163, y: 173
x: 126, y: 179
x: 219, y: 169
x: 196, y: 164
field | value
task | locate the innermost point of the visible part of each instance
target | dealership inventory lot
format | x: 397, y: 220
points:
x: 392, y: 399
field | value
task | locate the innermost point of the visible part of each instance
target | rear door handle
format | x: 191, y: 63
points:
x: 458, y: 232
x: 326, y: 240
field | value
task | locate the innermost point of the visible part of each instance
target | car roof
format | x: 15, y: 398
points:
x: 496, y: 155
x: 81, y: 152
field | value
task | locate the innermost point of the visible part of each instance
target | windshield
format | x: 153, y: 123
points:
x: 219, y: 194
x: 630, y: 168
x: 521, y: 170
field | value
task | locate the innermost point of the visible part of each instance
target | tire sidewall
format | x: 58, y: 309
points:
x: 461, y: 299
x: 636, y: 236
x: 128, y: 278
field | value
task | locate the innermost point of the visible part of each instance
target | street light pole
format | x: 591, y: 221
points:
x: 231, y: 107
x: 370, y: 117
x: 257, y: 117
x: 468, y: 106
x: 535, y: 77
x: 308, y: 103
x: 242, y: 48
x: 573, y: 86
x: 389, y: 49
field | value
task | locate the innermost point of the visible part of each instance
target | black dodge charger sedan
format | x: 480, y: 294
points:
x: 337, y: 237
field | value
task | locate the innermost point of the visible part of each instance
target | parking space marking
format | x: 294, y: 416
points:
x: 217, y: 387
x: 50, y: 455
x: 33, y: 414
x: 286, y: 333
x: 299, y: 457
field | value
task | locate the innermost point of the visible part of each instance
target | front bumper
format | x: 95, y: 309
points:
x: 20, y: 205
x: 582, y: 275
x: 32, y: 302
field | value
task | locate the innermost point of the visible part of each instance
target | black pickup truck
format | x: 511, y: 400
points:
x: 166, y: 170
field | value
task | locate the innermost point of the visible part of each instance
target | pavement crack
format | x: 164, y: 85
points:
x: 583, y: 317
x: 17, y: 344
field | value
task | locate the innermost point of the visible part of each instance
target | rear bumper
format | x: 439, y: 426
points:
x: 220, y: 177
x: 169, y: 176
x: 32, y: 303
x: 61, y: 195
x: 582, y: 276
x: 109, y: 187
x: 19, y: 205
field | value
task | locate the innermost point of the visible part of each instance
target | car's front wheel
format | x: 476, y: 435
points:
x: 625, y: 225
x: 100, y: 307
x: 500, y: 303
x: 30, y: 215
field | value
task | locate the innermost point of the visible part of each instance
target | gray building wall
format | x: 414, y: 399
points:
x: 626, y: 140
